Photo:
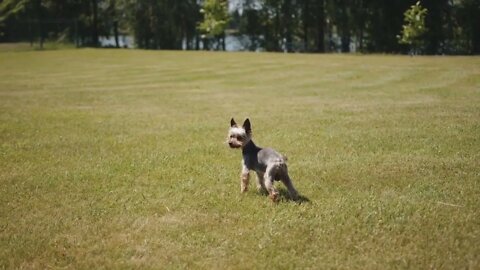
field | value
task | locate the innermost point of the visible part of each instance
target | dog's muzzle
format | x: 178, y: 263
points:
x: 233, y: 145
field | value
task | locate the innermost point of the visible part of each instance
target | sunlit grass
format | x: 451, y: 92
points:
x: 116, y: 159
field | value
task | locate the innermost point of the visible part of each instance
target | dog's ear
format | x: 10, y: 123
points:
x: 232, y: 123
x: 247, y: 126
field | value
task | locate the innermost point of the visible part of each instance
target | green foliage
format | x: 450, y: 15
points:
x: 272, y: 25
x: 469, y: 19
x: 161, y: 24
x: 11, y: 7
x: 414, y: 27
x: 215, y: 18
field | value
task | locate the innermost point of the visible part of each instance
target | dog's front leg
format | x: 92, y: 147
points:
x: 244, y: 178
x: 261, y: 182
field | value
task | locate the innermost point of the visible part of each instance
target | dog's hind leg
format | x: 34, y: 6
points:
x: 269, y: 177
x: 285, y: 178
x: 291, y: 190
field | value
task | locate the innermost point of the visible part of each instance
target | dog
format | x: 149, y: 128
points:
x: 269, y: 165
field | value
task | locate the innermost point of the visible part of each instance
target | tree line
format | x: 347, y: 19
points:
x: 370, y: 26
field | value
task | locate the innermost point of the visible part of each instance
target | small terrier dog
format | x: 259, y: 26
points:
x: 266, y: 162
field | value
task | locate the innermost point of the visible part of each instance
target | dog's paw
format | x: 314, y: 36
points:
x: 274, y: 197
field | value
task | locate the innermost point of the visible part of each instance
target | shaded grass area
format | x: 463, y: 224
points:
x: 26, y: 46
x: 116, y: 159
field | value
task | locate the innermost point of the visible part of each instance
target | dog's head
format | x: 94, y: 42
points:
x: 239, y: 136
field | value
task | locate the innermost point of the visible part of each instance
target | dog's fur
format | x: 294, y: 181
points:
x: 266, y: 162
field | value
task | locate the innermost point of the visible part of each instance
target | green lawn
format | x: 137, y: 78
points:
x: 116, y: 159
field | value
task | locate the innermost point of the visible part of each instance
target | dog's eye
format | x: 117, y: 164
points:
x: 239, y: 138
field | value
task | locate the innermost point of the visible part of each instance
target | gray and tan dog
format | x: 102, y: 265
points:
x: 266, y: 162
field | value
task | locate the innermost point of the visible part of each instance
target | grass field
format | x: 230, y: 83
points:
x: 116, y: 159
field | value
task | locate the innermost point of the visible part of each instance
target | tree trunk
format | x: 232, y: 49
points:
x: 345, y: 28
x: 360, y: 39
x: 277, y: 30
x: 346, y: 43
x: 30, y: 33
x: 206, y: 44
x: 76, y: 37
x: 94, y: 23
x: 115, y: 24
x: 306, y: 13
x: 321, y: 26
x: 288, y: 25
x: 224, y: 46
x: 38, y: 7
x: 361, y: 26
x: 197, y: 42
x: 476, y: 33
x: 115, y: 32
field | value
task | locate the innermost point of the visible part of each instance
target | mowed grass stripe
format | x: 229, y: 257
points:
x: 116, y: 159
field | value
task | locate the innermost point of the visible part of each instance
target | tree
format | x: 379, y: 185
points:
x: 272, y: 25
x: 437, y: 24
x: 94, y: 5
x: 271, y: 22
x: 414, y: 27
x: 344, y: 19
x: 215, y: 20
x: 469, y: 20
x: 321, y: 26
x: 288, y: 24
x: 246, y: 19
x: 11, y: 10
